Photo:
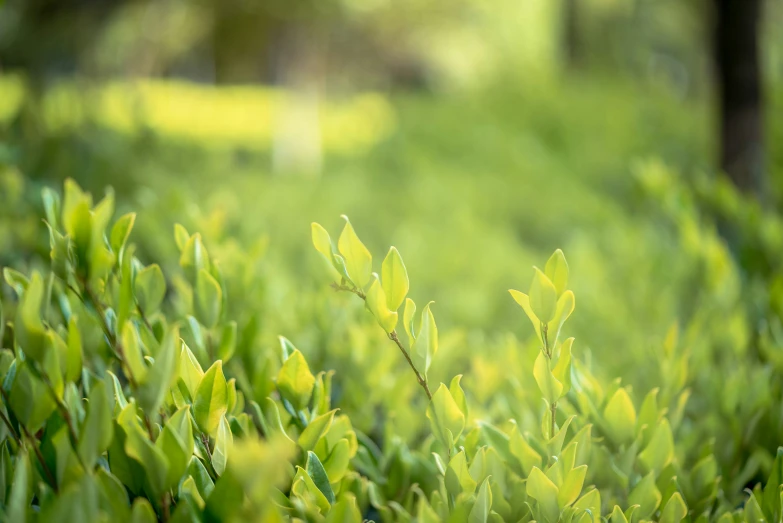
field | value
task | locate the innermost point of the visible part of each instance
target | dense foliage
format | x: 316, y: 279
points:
x: 133, y: 393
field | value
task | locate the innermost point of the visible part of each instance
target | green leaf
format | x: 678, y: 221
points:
x: 525, y: 454
x: 29, y: 399
x: 16, y: 280
x: 394, y: 276
x: 200, y: 476
x: 121, y: 231
x: 73, y: 358
x: 675, y: 510
x: 19, y: 498
x: 618, y: 516
x: 541, y: 488
x: 132, y: 352
x: 139, y: 448
x: 223, y: 441
x: 345, y: 511
x: 194, y: 258
x: 648, y: 414
x: 190, y: 370
x: 407, y: 320
x: 97, y: 430
x: 51, y: 204
x: 295, y: 381
x: 113, y: 493
x: 150, y: 288
x: 446, y: 419
x: 181, y: 236
x: 142, y: 512
x: 660, y: 451
x: 543, y: 296
x: 303, y: 485
x: 562, y: 370
x: 161, y: 375
x: 228, y: 341
x: 592, y: 502
x: 557, y: 271
x: 620, y: 417
x: 524, y: 301
x: 177, y: 444
x: 211, y: 399
x: 336, y: 464
x: 458, y: 394
x: 189, y: 491
x: 358, y: 260
x: 458, y: 479
x: 323, y: 244
x: 550, y: 387
x: 753, y: 512
x: 317, y: 473
x: 28, y: 328
x: 571, y: 486
x: 646, y: 495
x: 565, y: 306
x: 376, y: 304
x: 426, y: 345
x: 127, y: 301
x: 480, y: 511
x: 317, y: 428
x: 208, y: 299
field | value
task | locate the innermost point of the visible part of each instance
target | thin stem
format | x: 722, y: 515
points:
x: 11, y: 428
x: 148, y: 424
x: 553, y: 412
x: 144, y: 317
x: 422, y: 380
x: 166, y: 505
x: 392, y: 336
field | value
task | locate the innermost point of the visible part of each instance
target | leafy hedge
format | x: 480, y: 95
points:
x: 130, y: 394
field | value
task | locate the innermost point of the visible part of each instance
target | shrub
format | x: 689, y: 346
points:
x: 130, y: 393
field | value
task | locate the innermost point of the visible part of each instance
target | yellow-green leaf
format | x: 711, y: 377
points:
x: 541, y: 488
x: 223, y: 441
x: 394, y: 277
x: 358, y: 260
x: 543, y: 296
x: 295, y: 381
x: 557, y: 271
x: 150, y: 288
x: 571, y: 486
x: 524, y: 301
x: 446, y: 419
x: 377, y: 305
x: 208, y: 299
x: 675, y: 510
x: 550, y: 387
x: 211, y: 401
x: 426, y: 345
x: 29, y: 329
x: 660, y: 451
x: 407, y: 319
x: 620, y: 417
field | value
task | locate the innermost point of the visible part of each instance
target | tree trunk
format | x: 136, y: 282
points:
x: 736, y: 57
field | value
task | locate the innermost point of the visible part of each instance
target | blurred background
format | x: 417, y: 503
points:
x: 637, y: 135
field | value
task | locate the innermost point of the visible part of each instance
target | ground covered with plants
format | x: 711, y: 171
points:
x: 229, y: 348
